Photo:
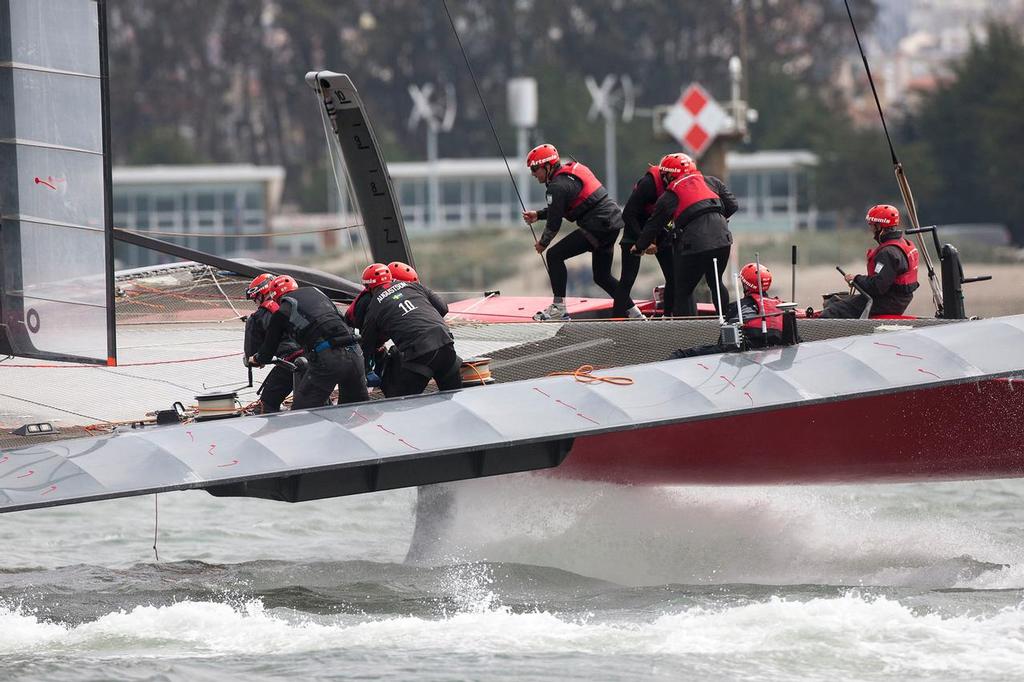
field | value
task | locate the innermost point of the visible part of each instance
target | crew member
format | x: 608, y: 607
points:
x: 756, y: 305
x: 278, y: 383
x: 332, y: 348
x: 573, y: 193
x: 356, y: 313
x: 646, y: 192
x: 698, y: 206
x: 891, y: 277
x: 411, y: 316
x: 400, y: 271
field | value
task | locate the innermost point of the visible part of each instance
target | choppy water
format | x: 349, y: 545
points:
x: 526, y: 577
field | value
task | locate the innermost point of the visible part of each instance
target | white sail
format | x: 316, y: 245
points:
x: 56, y: 267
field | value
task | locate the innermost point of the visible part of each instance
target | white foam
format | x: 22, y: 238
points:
x: 850, y: 632
x: 773, y: 535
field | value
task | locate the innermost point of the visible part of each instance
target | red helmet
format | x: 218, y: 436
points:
x: 403, y: 272
x: 676, y: 165
x: 376, y: 275
x: 748, y: 275
x: 259, y: 287
x: 282, y: 285
x: 883, y: 216
x: 542, y: 155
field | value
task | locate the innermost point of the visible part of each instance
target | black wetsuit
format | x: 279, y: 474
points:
x: 599, y: 221
x: 412, y: 316
x: 696, y: 245
x: 634, y: 215
x: 329, y: 343
x: 887, y: 298
x: 278, y: 383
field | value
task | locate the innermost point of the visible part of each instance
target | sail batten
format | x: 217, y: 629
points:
x: 43, y: 69
x: 26, y: 142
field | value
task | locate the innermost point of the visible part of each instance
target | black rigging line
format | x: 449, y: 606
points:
x: 490, y: 122
x: 901, y: 178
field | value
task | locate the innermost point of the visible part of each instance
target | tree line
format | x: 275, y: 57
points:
x: 222, y: 81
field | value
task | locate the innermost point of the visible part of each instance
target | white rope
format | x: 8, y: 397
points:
x: 226, y: 297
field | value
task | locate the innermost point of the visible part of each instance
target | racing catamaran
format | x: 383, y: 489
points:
x: 831, y: 409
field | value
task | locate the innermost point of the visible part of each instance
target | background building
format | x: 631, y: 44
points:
x: 235, y: 210
x: 220, y: 209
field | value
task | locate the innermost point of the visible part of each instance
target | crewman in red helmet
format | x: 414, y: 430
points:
x: 278, y: 383
x: 573, y: 193
x: 356, y: 311
x: 757, y: 306
x: 891, y: 277
x: 335, y: 358
x: 639, y: 207
x: 696, y: 208
x: 412, y: 317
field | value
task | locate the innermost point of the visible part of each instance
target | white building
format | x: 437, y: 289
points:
x: 231, y: 210
x: 220, y: 209
x: 773, y: 188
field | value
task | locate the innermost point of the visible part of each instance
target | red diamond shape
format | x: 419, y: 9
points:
x: 694, y: 101
x: 696, y: 137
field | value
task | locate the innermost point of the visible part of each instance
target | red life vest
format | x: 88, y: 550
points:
x: 659, y: 188
x: 350, y: 312
x: 770, y: 305
x: 908, y: 278
x: 270, y: 305
x: 695, y: 198
x: 590, y: 185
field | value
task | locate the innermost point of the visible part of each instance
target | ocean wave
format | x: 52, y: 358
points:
x: 851, y: 632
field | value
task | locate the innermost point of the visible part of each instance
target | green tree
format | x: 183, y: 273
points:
x: 971, y: 127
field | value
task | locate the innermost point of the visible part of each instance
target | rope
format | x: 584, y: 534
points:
x: 52, y: 407
x: 481, y: 375
x: 482, y: 300
x: 585, y: 375
x: 244, y: 235
x: 226, y: 297
x: 156, y: 525
x: 490, y: 122
x: 127, y: 364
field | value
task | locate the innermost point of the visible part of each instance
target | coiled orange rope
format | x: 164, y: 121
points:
x: 585, y: 375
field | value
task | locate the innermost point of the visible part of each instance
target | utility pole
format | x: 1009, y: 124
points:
x: 438, y: 117
x: 604, y: 99
x: 522, y: 113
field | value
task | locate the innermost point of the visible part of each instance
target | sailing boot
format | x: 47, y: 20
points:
x: 555, y: 311
x: 635, y: 314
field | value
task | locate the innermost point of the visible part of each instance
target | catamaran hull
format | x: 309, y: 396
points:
x: 943, y: 402
x: 953, y: 432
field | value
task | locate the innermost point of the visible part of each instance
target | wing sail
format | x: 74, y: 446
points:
x: 56, y: 262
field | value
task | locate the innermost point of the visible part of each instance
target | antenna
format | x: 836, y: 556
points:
x: 793, y: 298
x: 718, y: 295
x: 739, y: 296
x: 760, y: 295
